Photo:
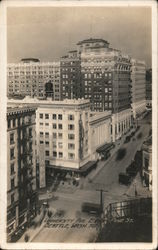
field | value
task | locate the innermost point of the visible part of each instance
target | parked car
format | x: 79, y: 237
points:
x: 89, y: 207
x: 127, y: 139
x: 124, y: 178
x: 131, y: 170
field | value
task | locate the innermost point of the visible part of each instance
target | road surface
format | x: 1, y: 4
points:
x: 106, y: 178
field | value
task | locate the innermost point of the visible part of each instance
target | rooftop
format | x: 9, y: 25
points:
x: 92, y: 40
x: 19, y: 109
x: 30, y: 59
x: 36, y: 102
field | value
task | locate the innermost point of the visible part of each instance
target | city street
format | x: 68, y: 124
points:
x: 107, y: 179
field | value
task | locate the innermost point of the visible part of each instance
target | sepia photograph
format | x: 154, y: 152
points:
x: 79, y: 125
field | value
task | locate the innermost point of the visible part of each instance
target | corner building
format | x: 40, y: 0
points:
x: 21, y: 169
x: 64, y: 136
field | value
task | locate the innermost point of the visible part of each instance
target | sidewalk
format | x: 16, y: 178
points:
x: 33, y: 231
x: 137, y: 186
x: 102, y: 164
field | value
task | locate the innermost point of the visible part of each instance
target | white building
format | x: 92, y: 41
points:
x: 138, y: 80
x: 121, y: 123
x: 68, y: 135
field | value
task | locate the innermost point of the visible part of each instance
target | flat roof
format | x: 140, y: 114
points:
x: 92, y: 40
x: 49, y: 103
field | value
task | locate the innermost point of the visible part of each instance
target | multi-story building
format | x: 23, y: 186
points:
x: 21, y: 172
x: 70, y: 77
x: 30, y: 76
x: 147, y: 162
x: 68, y: 135
x: 105, y: 80
x: 138, y: 80
x: 149, y: 88
x: 64, y: 136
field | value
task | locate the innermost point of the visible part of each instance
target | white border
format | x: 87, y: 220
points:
x: 3, y: 149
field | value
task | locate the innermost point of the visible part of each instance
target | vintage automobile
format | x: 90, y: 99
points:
x: 124, y: 179
x: 92, y: 208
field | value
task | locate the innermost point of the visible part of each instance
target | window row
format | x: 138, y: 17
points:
x: 57, y: 135
x: 55, y: 116
x: 60, y: 144
x: 60, y: 154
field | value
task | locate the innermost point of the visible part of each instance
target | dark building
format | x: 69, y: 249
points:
x: 70, y: 77
x: 21, y: 173
x: 149, y: 88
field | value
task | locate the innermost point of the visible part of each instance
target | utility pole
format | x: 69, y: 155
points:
x: 101, y: 208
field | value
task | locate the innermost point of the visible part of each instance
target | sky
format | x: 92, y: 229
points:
x: 48, y: 33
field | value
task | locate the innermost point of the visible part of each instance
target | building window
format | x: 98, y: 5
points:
x: 60, y: 126
x: 12, y: 183
x: 12, y: 168
x: 12, y: 153
x: 71, y: 117
x: 11, y: 138
x: 71, y: 126
x: 41, y: 142
x: 54, y: 135
x: 46, y: 116
x: 41, y: 134
x: 60, y: 135
x: 12, y: 198
x: 54, y: 154
x: 46, y: 124
x: 60, y: 117
x: 30, y: 132
x: 9, y: 123
x: 47, y: 143
x: 14, y: 122
x: 47, y: 153
x: 146, y: 162
x: 46, y: 134
x: 54, y: 144
x: 60, y: 155
x: 71, y: 156
x: 60, y: 145
x: 41, y: 116
x: 54, y: 116
x: 71, y: 136
x: 54, y: 125
x: 71, y: 146
x: 41, y: 123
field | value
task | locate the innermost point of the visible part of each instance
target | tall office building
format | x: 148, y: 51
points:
x: 104, y: 80
x: 31, y: 77
x: 149, y: 88
x: 21, y: 172
x: 70, y: 79
x: 138, y: 90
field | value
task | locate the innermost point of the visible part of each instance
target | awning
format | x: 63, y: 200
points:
x: 105, y: 147
x: 85, y: 168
